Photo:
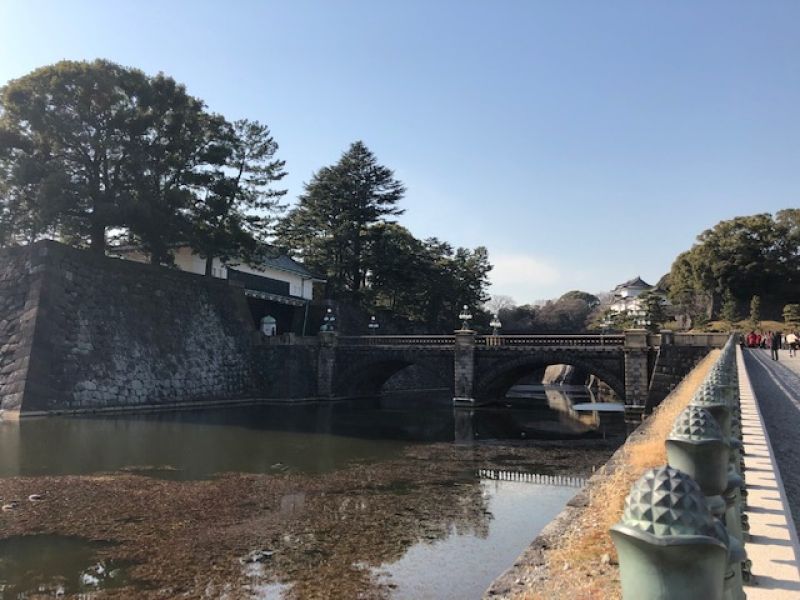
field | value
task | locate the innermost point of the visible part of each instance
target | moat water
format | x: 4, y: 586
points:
x: 397, y: 497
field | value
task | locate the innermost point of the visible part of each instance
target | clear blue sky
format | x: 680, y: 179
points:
x: 583, y: 143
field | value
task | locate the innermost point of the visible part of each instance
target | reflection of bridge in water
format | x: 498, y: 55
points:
x: 559, y: 480
x: 561, y: 399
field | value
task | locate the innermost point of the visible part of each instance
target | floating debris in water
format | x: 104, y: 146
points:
x: 257, y: 556
x: 148, y: 468
x: 179, y: 536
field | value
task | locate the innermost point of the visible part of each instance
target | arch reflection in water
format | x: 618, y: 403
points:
x: 536, y: 411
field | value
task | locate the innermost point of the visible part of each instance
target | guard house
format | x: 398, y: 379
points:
x: 278, y: 287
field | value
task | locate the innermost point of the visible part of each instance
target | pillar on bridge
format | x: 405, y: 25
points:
x: 464, y: 357
x: 637, y: 380
x: 326, y: 363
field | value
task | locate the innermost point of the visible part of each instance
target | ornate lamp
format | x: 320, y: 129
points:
x: 328, y: 321
x: 373, y: 324
x: 465, y: 317
x: 495, y: 324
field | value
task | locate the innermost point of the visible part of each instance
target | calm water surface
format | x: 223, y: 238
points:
x: 453, y: 553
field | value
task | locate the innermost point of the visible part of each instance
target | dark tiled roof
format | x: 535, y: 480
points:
x: 286, y: 263
x: 636, y: 282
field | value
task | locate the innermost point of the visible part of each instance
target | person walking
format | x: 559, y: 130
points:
x: 792, y: 340
x: 775, y: 344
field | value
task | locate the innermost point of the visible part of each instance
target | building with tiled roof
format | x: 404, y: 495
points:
x: 627, y: 297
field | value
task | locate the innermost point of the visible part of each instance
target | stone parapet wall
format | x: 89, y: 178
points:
x: 672, y: 363
x: 99, y: 332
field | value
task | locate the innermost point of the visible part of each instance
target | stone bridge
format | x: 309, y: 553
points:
x: 639, y: 366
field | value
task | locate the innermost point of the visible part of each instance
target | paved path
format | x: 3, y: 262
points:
x: 776, y: 384
x: 770, y: 420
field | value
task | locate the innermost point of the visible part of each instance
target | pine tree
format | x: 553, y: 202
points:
x: 329, y: 227
x: 89, y: 148
x: 729, y: 312
x: 237, y: 207
x: 755, y: 311
x: 180, y: 143
x: 655, y: 310
x: 66, y: 143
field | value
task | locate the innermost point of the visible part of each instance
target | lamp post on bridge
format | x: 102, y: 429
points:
x: 464, y: 361
x: 465, y: 317
x: 604, y: 325
x: 328, y: 321
x: 495, y: 324
x: 373, y: 325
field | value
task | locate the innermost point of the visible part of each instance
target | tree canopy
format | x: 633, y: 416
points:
x: 97, y: 155
x: 67, y: 135
x: 427, y: 281
x: 343, y: 227
x: 329, y: 226
x: 737, y: 259
x: 92, y: 150
x: 569, y: 313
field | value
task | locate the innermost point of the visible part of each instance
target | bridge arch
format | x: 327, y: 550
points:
x: 367, y: 375
x: 496, y: 381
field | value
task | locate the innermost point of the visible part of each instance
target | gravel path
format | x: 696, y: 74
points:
x: 777, y: 388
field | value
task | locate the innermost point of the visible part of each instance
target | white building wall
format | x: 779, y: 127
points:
x: 186, y: 260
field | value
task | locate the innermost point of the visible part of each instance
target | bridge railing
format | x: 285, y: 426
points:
x: 484, y: 340
x: 550, y: 340
x: 707, y: 340
x: 397, y: 340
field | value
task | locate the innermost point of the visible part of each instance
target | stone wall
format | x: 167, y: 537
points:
x: 99, y: 333
x: 20, y: 284
x: 287, y: 371
x: 416, y: 378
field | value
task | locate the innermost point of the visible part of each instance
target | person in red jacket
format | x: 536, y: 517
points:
x: 751, y: 341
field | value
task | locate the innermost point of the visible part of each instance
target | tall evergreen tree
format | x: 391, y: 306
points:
x: 236, y: 207
x: 396, y: 262
x: 655, y: 310
x: 755, y: 311
x: 329, y: 227
x: 729, y: 311
x: 180, y: 143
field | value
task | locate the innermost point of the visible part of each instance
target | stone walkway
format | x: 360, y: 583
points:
x: 777, y: 387
x: 770, y: 393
